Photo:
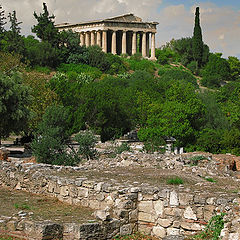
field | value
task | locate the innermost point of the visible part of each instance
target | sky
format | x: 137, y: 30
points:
x: 219, y: 19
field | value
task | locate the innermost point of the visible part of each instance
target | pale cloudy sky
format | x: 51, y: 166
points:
x: 220, y: 19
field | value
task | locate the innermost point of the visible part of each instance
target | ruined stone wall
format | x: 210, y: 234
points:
x: 121, y: 209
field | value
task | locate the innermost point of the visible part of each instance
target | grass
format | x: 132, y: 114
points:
x: 175, y: 181
x: 42, y: 207
x: 210, y: 180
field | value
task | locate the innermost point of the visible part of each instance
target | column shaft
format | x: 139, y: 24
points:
x: 99, y: 39
x: 148, y: 36
x: 104, y: 41
x: 124, y: 42
x: 92, y: 38
x: 153, y: 47
x: 114, y: 43
x: 87, y: 39
x: 82, y: 39
x: 134, y: 43
x: 144, y: 44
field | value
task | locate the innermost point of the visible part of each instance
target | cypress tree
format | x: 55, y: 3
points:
x: 197, y: 40
x: 2, y: 22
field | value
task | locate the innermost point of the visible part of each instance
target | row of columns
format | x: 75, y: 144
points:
x: 96, y: 38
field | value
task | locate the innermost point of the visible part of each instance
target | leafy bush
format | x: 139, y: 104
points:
x: 210, y: 179
x: 175, y: 181
x: 195, y: 159
x: 50, y: 143
x: 87, y: 142
x: 213, y: 229
x: 117, y: 65
x: 122, y: 148
x: 80, y: 68
x: 143, y: 64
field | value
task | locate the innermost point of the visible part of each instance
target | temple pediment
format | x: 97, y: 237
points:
x: 125, y: 18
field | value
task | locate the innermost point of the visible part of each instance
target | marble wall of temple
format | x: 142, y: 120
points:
x: 126, y: 34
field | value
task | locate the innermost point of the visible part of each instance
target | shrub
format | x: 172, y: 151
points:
x: 87, y: 142
x: 195, y: 159
x: 122, y: 148
x: 175, y: 181
x: 210, y: 179
x: 143, y: 64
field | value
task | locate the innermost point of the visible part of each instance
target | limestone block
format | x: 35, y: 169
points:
x: 83, y: 192
x: 176, y: 212
x: 210, y: 201
x: 123, y: 214
x: 102, y: 215
x: 176, y: 224
x: 159, y: 231
x: 133, y: 216
x: 174, y: 237
x: 109, y: 200
x: 191, y: 226
x: 165, y: 222
x: 145, y: 228
x: 234, y: 236
x: 126, y: 229
x: 172, y: 231
x: 198, y: 199
x: 189, y: 214
x: 158, y: 207
x: 185, y: 199
x: 98, y: 187
x: 208, y: 212
x: 64, y: 191
x: 145, y: 206
x: 199, y: 213
x: 94, y: 204
x: 174, y: 198
x: 11, y: 225
x: 88, y: 184
x: 18, y: 186
x: 73, y: 192
x: 51, y: 186
x: 146, y: 217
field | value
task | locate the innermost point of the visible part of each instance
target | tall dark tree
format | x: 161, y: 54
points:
x: 14, y: 41
x: 2, y: 22
x: 197, y: 40
x: 45, y: 28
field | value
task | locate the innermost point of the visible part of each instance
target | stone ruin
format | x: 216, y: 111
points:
x: 124, y: 206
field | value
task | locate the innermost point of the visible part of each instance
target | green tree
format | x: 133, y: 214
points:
x: 45, y: 28
x: 197, y: 40
x: 2, y: 22
x: 234, y: 67
x: 13, y: 40
x: 14, y: 98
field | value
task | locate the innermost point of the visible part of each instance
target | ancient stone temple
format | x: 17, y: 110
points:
x: 126, y: 34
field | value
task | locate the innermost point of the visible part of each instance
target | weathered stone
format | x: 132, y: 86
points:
x: 126, y: 229
x: 102, y: 215
x: 174, y: 199
x: 191, y: 226
x: 82, y: 192
x: 208, y: 212
x: 64, y: 191
x: 165, y: 222
x: 173, y: 231
x: 158, y: 207
x: 145, y: 217
x: 145, y: 206
x: 185, y: 199
x: 176, y: 212
x: 189, y: 214
x: 133, y: 216
x: 159, y: 231
x: 174, y: 237
x: 11, y: 225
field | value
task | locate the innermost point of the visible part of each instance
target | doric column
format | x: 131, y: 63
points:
x: 87, y: 39
x: 104, y: 41
x: 92, y: 38
x: 144, y: 44
x: 82, y: 39
x: 153, y: 47
x: 134, y: 43
x: 124, y: 42
x: 114, y: 43
x: 99, y: 38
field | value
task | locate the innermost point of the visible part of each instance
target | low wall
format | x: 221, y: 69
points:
x: 160, y: 211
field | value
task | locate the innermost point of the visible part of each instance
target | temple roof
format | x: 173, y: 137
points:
x: 126, y: 18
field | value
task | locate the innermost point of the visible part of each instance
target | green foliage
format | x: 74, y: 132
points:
x: 117, y: 65
x: 87, y: 142
x: 195, y: 159
x: 2, y: 21
x: 193, y: 67
x: 14, y: 98
x: 197, y: 40
x: 50, y: 143
x: 22, y: 206
x: 175, y: 181
x: 124, y: 147
x: 45, y: 29
x: 216, y: 71
x: 210, y: 179
x: 234, y: 64
x: 143, y: 65
x: 80, y: 68
x: 213, y: 229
